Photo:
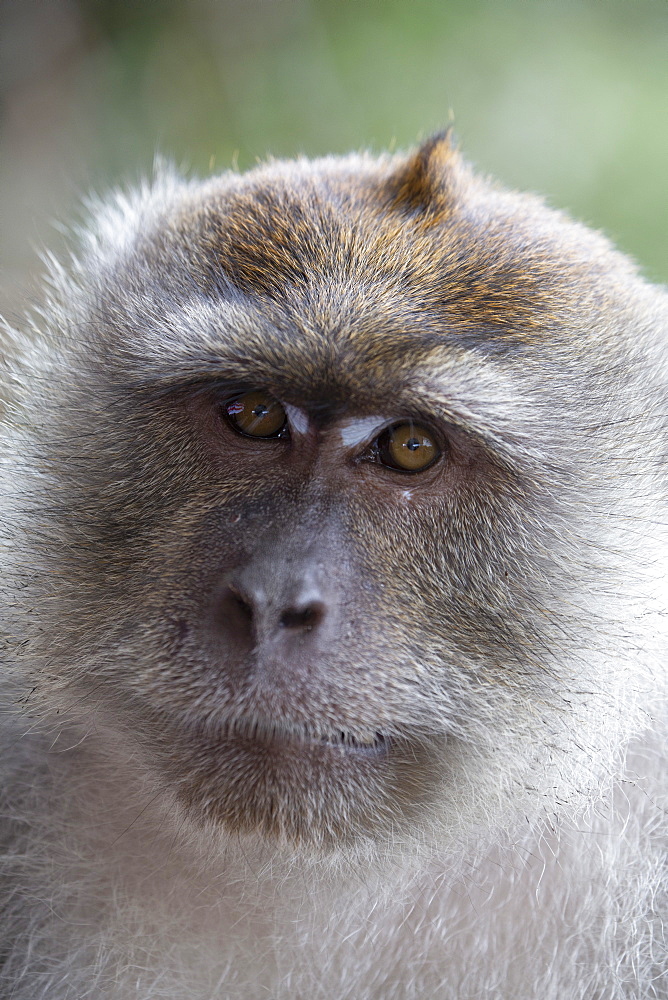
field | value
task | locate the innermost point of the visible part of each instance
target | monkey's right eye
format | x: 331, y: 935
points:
x: 256, y: 414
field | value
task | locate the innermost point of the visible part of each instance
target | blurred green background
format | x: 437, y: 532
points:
x: 566, y: 98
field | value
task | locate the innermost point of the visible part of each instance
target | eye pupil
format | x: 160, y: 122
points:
x: 412, y: 444
x: 260, y: 410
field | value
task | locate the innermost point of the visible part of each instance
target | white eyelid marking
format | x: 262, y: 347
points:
x: 297, y: 418
x: 407, y: 494
x: 358, y: 430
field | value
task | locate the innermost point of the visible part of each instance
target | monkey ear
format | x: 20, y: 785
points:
x: 425, y: 180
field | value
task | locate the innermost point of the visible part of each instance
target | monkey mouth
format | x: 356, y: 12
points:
x: 296, y: 736
x: 305, y: 782
x: 346, y: 741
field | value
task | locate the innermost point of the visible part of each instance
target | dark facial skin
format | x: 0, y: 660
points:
x: 285, y: 613
x: 272, y: 616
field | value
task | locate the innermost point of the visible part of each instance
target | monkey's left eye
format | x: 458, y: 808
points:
x: 256, y: 414
x: 407, y: 447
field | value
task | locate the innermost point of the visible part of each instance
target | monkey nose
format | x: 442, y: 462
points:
x: 256, y: 613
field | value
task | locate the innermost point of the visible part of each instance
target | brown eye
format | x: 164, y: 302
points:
x: 408, y: 447
x: 256, y: 414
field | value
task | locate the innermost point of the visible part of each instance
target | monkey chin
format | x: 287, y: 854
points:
x: 308, y: 790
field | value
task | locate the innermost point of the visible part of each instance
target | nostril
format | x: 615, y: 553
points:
x: 304, y: 618
x: 241, y: 604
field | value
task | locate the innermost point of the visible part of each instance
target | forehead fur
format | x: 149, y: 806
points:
x: 337, y: 278
x: 488, y: 264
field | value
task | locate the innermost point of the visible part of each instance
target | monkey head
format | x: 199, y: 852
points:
x: 335, y: 479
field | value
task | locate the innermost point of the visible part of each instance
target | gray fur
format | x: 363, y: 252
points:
x: 504, y: 627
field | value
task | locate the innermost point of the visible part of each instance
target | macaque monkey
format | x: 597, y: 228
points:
x: 333, y: 515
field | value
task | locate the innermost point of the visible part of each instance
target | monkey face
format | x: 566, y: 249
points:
x: 290, y: 587
x: 336, y: 498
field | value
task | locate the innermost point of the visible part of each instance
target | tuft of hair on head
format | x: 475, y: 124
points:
x: 426, y: 181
